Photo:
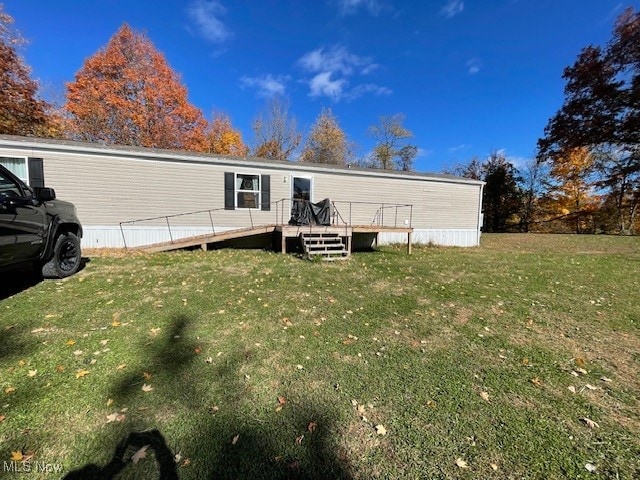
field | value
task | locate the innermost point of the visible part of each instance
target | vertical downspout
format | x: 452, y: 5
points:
x: 480, y: 214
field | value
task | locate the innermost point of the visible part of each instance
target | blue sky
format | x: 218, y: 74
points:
x: 471, y: 76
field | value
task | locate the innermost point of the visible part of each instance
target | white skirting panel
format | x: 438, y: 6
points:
x: 112, y: 237
x: 443, y: 237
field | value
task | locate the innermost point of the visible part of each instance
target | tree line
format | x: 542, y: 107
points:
x: 585, y: 177
x: 127, y: 94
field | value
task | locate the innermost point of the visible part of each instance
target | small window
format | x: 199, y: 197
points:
x: 17, y: 166
x: 247, y: 191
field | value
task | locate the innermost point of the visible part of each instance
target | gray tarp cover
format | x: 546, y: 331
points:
x: 307, y: 213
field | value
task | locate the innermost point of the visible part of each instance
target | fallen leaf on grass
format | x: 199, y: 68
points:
x: 70, y: 342
x: 571, y: 388
x: 77, y: 353
x: 312, y: 427
x: 140, y: 454
x: 104, y: 342
x: 590, y: 387
x: 198, y: 350
x: 461, y: 463
x: 537, y: 382
x: 579, y: 362
x: 115, y: 417
x: 484, y: 396
x: 59, y: 368
x: 115, y: 323
x: 2, y: 417
x: 606, y: 379
x: 32, y: 373
x: 582, y: 371
x: 494, y: 466
x: 146, y: 375
x: 82, y: 373
x: 235, y: 439
x: 281, y: 403
x: 109, y: 402
x: 17, y: 456
x: 590, y: 423
x: 146, y: 388
x: 380, y: 430
x: 122, y: 366
x: 186, y: 462
x: 590, y: 467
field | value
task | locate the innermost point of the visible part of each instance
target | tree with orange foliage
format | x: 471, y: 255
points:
x: 222, y: 138
x: 571, y: 192
x: 21, y: 112
x: 128, y: 94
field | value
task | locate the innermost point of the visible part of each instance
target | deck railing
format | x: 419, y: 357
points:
x: 348, y: 214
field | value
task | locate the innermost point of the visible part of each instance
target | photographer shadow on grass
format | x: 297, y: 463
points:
x: 298, y: 442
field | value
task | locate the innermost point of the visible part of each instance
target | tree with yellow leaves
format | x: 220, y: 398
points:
x: 222, y: 138
x: 571, y: 193
x: 327, y: 142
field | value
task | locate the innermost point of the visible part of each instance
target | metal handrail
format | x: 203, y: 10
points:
x: 279, y: 205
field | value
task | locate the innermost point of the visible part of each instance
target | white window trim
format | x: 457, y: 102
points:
x: 236, y: 191
x: 26, y: 166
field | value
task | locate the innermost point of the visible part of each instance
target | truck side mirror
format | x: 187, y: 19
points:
x: 45, y: 194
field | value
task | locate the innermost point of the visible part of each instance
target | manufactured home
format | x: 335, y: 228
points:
x: 135, y: 197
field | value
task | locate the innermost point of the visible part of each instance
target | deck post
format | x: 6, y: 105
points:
x: 375, y: 240
x: 409, y: 243
x: 283, y: 244
x: 203, y: 247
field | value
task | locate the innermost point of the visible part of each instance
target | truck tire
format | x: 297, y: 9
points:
x: 66, y: 257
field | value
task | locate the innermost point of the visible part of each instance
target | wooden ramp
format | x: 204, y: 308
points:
x: 203, y: 240
x: 329, y: 242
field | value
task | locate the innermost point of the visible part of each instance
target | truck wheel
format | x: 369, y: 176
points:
x: 66, y: 257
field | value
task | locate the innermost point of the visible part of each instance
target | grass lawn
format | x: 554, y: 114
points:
x: 517, y: 359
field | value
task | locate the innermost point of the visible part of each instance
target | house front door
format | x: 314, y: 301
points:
x: 301, y: 190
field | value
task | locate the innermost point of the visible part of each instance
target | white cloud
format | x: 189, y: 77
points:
x: 365, y: 88
x: 336, y: 59
x: 350, y: 7
x: 322, y: 85
x: 458, y: 148
x: 333, y: 67
x: 266, y: 85
x: 205, y: 14
x: 423, y: 152
x: 452, y: 8
x: 474, y: 65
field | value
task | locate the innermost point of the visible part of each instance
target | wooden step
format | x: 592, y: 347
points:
x: 330, y: 246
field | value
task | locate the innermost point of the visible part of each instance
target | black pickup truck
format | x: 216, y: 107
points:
x: 37, y: 230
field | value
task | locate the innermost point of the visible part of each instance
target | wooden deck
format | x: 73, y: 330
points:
x: 284, y: 231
